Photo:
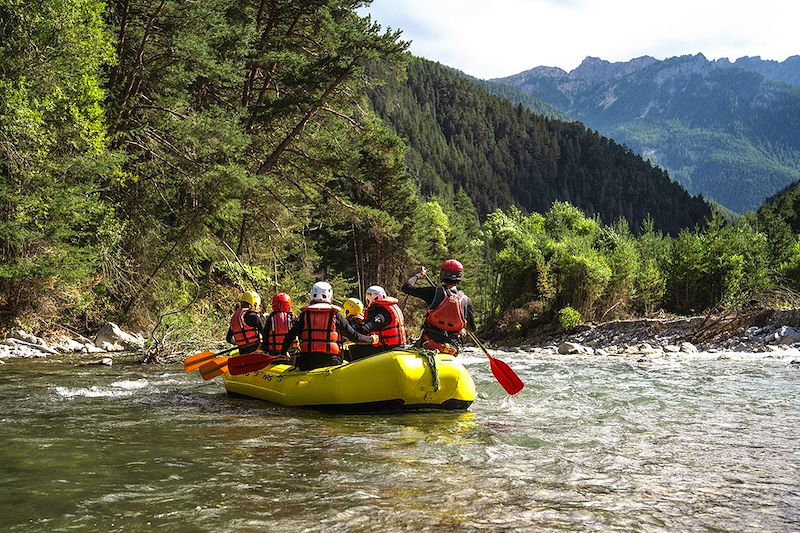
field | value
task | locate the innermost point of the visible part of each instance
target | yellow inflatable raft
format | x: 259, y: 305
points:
x: 398, y: 379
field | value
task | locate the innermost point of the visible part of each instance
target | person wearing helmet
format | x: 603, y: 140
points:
x: 384, y: 318
x: 449, y: 309
x: 245, y: 326
x: 353, y: 310
x: 320, y: 328
x: 277, y: 324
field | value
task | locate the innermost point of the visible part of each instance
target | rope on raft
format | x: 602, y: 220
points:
x: 430, y: 355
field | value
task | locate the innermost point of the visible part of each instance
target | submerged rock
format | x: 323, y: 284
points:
x: 105, y: 361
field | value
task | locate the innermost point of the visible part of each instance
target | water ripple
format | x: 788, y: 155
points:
x: 591, y: 444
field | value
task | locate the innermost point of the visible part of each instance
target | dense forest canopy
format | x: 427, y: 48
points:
x: 157, y: 160
x: 155, y: 156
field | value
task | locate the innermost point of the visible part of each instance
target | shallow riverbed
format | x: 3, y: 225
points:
x: 679, y: 443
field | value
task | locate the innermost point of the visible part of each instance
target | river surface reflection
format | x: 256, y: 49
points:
x: 684, y: 443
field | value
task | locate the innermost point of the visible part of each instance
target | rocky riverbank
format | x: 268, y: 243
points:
x: 109, y: 339
x: 755, y: 332
x: 761, y: 331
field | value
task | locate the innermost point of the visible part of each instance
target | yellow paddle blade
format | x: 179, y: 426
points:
x: 214, y: 368
x: 196, y: 361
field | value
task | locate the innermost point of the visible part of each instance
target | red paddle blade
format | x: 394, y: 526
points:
x: 196, y: 361
x: 245, y: 364
x: 214, y: 368
x: 505, y: 376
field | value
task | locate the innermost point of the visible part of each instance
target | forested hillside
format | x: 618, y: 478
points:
x: 517, y: 97
x: 504, y: 155
x: 725, y: 130
x: 785, y: 205
x: 158, y: 159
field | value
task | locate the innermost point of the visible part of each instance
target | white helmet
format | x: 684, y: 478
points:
x: 322, y: 291
x: 375, y: 292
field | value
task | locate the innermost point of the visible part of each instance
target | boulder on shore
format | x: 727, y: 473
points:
x: 24, y: 344
x: 112, y: 338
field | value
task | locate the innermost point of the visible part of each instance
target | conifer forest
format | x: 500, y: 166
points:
x: 157, y: 160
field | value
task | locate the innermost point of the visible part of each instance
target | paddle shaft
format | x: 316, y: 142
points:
x: 196, y: 361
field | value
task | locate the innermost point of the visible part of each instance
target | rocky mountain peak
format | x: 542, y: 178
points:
x: 548, y: 72
x: 696, y: 117
x: 596, y: 69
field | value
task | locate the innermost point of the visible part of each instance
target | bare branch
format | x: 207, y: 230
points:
x: 352, y: 121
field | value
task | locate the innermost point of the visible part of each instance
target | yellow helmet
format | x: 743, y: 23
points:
x: 352, y: 307
x: 252, y: 298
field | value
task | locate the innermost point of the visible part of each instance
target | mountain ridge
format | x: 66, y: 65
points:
x: 462, y: 137
x: 720, y: 128
x: 787, y: 70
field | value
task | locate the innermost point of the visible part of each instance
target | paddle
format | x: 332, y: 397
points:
x: 502, y: 372
x: 214, y: 368
x: 507, y: 378
x: 196, y: 361
x: 252, y: 362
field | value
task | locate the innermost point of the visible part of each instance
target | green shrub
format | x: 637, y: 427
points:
x: 569, y: 318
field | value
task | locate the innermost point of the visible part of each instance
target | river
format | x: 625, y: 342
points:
x: 680, y: 443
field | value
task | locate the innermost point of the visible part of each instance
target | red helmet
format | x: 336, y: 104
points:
x: 281, y: 302
x: 452, y: 271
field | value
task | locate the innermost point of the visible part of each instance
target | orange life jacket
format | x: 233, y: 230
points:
x: 244, y: 334
x: 319, y: 333
x: 448, y: 315
x: 279, y: 325
x: 394, y: 334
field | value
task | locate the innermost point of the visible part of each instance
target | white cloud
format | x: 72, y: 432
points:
x: 502, y: 37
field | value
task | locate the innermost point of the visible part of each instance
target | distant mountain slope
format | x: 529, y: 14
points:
x: 515, y: 96
x: 726, y: 130
x: 503, y: 155
x: 787, y: 71
x: 518, y: 97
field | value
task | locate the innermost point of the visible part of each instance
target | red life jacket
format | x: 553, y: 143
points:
x: 319, y: 333
x: 394, y: 334
x: 448, y: 315
x: 279, y: 325
x: 244, y: 334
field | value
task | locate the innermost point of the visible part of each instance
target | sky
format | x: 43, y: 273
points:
x: 496, y: 38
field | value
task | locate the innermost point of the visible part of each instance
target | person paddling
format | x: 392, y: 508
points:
x: 449, y: 309
x: 320, y: 328
x: 245, y: 325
